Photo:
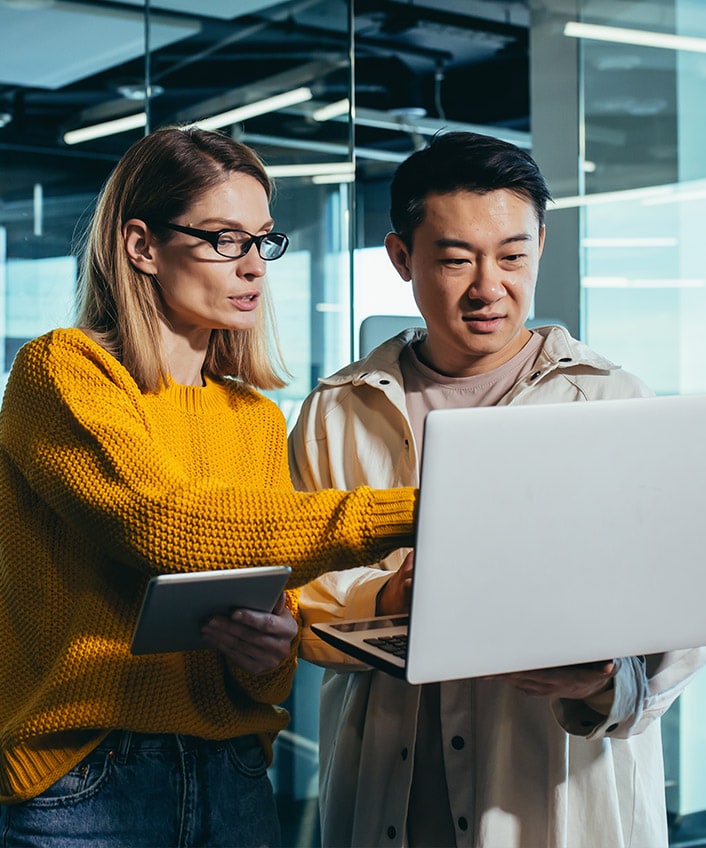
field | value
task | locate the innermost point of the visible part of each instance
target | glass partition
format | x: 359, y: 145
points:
x: 643, y: 289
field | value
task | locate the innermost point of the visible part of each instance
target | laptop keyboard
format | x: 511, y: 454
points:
x: 396, y: 645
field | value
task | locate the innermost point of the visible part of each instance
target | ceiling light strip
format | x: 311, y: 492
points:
x: 251, y: 110
x: 312, y: 169
x: 119, y: 125
x: 214, y: 122
x: 638, y: 241
x: 641, y: 37
x: 647, y: 195
x: 332, y: 110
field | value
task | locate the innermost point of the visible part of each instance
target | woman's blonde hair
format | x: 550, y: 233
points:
x: 158, y: 179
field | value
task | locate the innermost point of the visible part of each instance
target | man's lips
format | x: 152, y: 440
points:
x: 484, y: 323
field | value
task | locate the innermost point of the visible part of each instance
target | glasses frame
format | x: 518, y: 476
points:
x: 213, y: 238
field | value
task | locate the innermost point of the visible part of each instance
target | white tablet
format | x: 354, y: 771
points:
x: 175, y: 606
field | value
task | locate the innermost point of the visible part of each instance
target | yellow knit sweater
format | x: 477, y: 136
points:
x: 101, y: 488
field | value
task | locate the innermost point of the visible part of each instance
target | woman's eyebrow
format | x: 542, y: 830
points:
x: 231, y: 224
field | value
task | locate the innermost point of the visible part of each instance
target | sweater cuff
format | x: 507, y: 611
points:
x: 393, y: 515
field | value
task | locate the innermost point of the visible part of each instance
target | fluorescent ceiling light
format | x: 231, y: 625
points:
x: 223, y: 119
x: 119, y: 125
x: 643, y: 37
x: 610, y: 197
x: 250, y: 110
x: 322, y: 147
x: 385, y: 120
x: 647, y: 195
x: 678, y: 196
x: 664, y: 241
x: 644, y: 283
x: 332, y: 110
x: 328, y: 307
x: 322, y: 179
x: 313, y: 169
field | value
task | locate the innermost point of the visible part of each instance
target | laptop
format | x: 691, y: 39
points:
x: 550, y: 535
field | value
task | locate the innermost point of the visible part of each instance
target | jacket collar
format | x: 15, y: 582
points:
x: 380, y: 364
x: 559, y: 350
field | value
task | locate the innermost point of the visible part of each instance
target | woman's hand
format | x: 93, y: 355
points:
x: 254, y: 641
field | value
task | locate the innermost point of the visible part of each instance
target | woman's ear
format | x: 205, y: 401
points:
x: 398, y: 252
x: 139, y: 245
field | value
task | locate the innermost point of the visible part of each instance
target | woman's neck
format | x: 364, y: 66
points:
x: 185, y: 356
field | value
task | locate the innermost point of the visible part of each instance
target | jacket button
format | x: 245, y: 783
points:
x: 535, y: 375
x: 463, y: 823
x: 391, y: 832
x: 566, y: 359
x: 384, y: 382
x: 403, y: 753
x: 612, y: 728
x: 457, y: 742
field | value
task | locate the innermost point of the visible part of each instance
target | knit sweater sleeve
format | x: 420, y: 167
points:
x: 74, y: 426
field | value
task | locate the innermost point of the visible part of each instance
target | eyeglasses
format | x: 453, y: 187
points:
x: 236, y: 243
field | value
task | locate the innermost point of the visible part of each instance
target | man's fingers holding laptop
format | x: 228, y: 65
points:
x: 394, y: 597
x: 575, y: 682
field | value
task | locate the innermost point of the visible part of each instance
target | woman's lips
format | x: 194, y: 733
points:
x: 245, y: 302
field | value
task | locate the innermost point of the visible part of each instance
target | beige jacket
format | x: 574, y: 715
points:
x: 521, y: 772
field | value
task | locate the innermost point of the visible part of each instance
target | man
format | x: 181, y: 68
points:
x: 564, y: 758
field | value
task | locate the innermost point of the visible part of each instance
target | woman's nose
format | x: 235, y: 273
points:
x: 251, y: 264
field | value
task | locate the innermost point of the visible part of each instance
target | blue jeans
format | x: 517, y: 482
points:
x: 153, y: 791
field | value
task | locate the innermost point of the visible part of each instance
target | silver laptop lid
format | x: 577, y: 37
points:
x: 556, y: 534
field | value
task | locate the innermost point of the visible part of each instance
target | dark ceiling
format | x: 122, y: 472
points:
x: 420, y: 66
x: 457, y: 61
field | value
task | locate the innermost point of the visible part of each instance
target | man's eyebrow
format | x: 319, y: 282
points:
x: 466, y: 245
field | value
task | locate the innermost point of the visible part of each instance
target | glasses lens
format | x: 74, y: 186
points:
x: 273, y: 245
x: 232, y: 242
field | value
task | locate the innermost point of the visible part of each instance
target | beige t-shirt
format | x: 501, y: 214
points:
x: 426, y: 389
x: 429, y: 820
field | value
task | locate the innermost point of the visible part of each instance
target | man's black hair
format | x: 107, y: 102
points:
x: 462, y: 161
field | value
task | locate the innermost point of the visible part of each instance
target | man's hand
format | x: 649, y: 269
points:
x: 254, y: 641
x: 394, y: 597
x: 573, y: 682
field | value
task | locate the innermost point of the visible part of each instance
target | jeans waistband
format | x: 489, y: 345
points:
x: 121, y: 742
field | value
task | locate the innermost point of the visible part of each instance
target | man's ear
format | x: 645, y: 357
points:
x: 399, y: 255
x: 139, y: 245
x: 542, y: 234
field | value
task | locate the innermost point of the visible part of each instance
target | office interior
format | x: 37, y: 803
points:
x: 333, y: 94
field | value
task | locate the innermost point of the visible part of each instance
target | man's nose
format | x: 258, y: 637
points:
x: 487, y: 283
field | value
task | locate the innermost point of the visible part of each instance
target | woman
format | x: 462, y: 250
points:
x: 132, y: 445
